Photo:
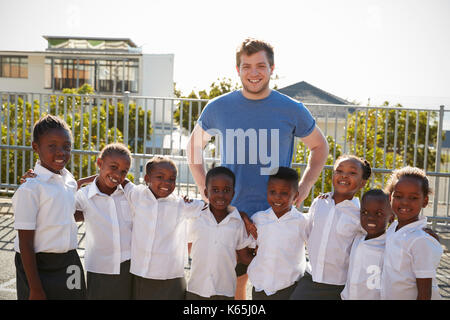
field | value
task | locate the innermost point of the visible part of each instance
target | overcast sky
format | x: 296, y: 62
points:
x: 356, y: 49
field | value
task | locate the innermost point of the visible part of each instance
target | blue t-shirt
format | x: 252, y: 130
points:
x: 255, y: 137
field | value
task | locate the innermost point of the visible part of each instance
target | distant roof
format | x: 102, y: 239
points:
x: 90, y: 43
x: 446, y: 141
x: 307, y: 93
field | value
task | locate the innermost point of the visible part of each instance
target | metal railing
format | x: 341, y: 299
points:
x: 388, y: 137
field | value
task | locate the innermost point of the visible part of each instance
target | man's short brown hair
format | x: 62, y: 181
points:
x: 250, y: 46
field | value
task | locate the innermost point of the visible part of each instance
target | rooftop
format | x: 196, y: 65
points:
x: 71, y: 43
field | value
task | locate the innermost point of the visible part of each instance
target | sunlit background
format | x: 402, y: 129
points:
x: 360, y: 50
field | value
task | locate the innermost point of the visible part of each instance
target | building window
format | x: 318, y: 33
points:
x: 110, y: 76
x: 13, y: 67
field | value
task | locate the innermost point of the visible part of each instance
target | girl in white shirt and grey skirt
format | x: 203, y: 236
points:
x: 47, y: 263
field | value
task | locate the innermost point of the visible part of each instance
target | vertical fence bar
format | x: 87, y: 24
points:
x: 437, y: 167
x: 394, y: 165
x: 16, y: 135
x: 386, y: 120
x: 126, y: 109
x: 375, y: 136
x: 416, y: 138
x: 80, y: 170
x: 425, y: 159
x: 8, y: 129
x: 154, y: 126
x: 405, y: 147
x: 72, y: 157
x: 24, y: 121
x: 356, y: 132
x: 89, y: 172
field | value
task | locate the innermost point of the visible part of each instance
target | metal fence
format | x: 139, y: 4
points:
x: 388, y: 137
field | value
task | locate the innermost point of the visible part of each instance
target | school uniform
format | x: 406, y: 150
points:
x: 410, y: 253
x: 46, y: 204
x: 331, y: 230
x: 364, y: 272
x: 280, y: 259
x: 108, y: 242
x: 159, y: 243
x: 213, y: 254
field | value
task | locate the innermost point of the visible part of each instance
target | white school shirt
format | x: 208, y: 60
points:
x: 280, y: 259
x: 331, y: 230
x: 108, y: 228
x: 46, y: 204
x: 364, y: 272
x: 410, y: 253
x: 213, y: 253
x: 159, y: 239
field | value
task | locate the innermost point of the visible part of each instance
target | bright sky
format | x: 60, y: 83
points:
x: 356, y: 49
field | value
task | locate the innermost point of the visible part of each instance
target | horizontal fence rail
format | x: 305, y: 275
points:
x: 388, y: 137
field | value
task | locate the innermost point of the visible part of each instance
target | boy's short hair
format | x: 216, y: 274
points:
x: 218, y: 171
x: 115, y: 148
x: 365, y: 165
x: 250, y: 46
x: 157, y: 160
x: 286, y: 174
x: 49, y: 122
x: 375, y: 193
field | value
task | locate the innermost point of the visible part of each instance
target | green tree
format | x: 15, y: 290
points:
x: 87, y: 118
x: 195, y: 106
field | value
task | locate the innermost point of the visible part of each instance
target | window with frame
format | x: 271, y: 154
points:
x: 13, y: 67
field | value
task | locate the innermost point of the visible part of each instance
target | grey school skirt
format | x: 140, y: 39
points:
x: 102, y: 286
x: 282, y: 294
x: 307, y: 289
x: 61, y: 274
x: 151, y: 289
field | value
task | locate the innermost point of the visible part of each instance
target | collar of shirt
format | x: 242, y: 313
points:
x: 273, y: 216
x: 411, y: 227
x: 346, y: 203
x: 44, y: 174
x: 94, y: 190
x: 233, y: 213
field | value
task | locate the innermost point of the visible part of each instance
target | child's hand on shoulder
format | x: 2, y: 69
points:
x: 432, y: 233
x: 29, y: 174
x: 323, y: 196
x: 187, y: 200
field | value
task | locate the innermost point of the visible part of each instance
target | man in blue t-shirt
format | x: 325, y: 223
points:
x: 256, y: 127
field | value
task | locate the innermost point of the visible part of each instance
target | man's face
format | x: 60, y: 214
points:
x: 255, y: 72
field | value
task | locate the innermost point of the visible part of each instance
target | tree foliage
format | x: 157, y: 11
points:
x: 94, y: 123
x: 380, y: 135
x: 195, y: 106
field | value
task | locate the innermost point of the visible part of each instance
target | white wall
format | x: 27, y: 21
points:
x: 34, y: 82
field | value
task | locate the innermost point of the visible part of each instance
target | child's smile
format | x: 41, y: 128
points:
x: 161, y: 179
x: 407, y: 200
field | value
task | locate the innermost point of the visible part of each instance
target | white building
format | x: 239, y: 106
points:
x: 109, y: 65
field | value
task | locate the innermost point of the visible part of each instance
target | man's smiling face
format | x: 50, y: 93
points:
x: 255, y: 72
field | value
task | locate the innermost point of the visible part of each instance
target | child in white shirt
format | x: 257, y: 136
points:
x: 46, y: 258
x: 159, y: 239
x: 411, y: 255
x: 332, y: 226
x: 106, y: 213
x: 217, y: 235
x: 280, y: 259
x: 367, y: 252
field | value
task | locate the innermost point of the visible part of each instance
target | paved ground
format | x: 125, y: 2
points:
x: 7, y: 269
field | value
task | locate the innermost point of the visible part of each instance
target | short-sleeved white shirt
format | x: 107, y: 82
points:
x: 331, y: 231
x: 213, y: 253
x: 364, y: 272
x: 108, y: 228
x: 410, y: 253
x: 46, y: 204
x: 280, y: 259
x: 159, y: 237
